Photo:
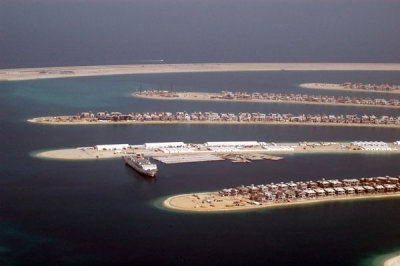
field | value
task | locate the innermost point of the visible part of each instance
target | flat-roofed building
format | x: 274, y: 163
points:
x: 158, y: 145
x: 232, y: 144
x: 110, y: 147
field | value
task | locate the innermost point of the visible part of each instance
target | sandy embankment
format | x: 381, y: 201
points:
x: 81, y: 71
x: 395, y: 261
x: 207, y: 96
x: 91, y: 153
x: 197, y: 202
x: 52, y: 121
x: 339, y: 87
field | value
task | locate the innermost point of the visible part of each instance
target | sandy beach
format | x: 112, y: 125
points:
x: 44, y: 120
x: 197, y: 202
x: 340, y: 87
x: 104, y: 70
x: 209, y: 96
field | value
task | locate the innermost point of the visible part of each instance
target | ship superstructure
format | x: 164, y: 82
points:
x: 141, y: 164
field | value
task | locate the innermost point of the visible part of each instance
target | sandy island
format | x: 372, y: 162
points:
x: 90, y: 153
x: 340, y: 87
x: 51, y: 121
x: 213, y: 202
x: 211, y: 96
x: 104, y: 70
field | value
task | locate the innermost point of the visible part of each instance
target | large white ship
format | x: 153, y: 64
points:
x: 141, y: 164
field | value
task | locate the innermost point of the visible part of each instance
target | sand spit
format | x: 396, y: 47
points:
x: 77, y: 154
x: 212, y: 202
x: 104, y: 70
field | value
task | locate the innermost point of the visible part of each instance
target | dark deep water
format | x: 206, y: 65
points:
x: 102, y: 213
x: 96, y: 32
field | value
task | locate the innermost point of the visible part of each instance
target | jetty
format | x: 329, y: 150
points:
x: 286, y: 194
x: 104, y: 118
x: 268, y: 98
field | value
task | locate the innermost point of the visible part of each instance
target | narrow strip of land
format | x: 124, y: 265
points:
x: 302, y: 120
x: 269, y: 98
x: 223, y: 150
x: 357, y: 87
x: 286, y: 194
x: 192, y: 203
x: 81, y: 71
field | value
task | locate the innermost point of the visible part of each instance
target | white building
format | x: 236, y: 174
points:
x: 278, y: 148
x: 176, y: 150
x: 110, y: 147
x: 158, y: 145
x: 372, y: 145
x: 232, y: 144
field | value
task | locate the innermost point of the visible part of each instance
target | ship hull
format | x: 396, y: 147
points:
x: 140, y: 170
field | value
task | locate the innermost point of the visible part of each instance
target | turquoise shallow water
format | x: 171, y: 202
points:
x: 100, y: 212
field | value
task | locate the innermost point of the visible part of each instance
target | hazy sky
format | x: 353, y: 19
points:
x: 51, y: 32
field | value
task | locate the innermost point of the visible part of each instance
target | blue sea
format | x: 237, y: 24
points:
x: 101, y: 212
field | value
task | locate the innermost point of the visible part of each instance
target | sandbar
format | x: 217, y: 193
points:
x: 194, y: 202
x: 104, y: 70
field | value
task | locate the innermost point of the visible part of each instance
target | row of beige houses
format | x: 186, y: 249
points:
x: 240, y: 117
x: 373, y: 87
x: 304, y: 98
x: 312, y: 190
x: 281, y: 97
